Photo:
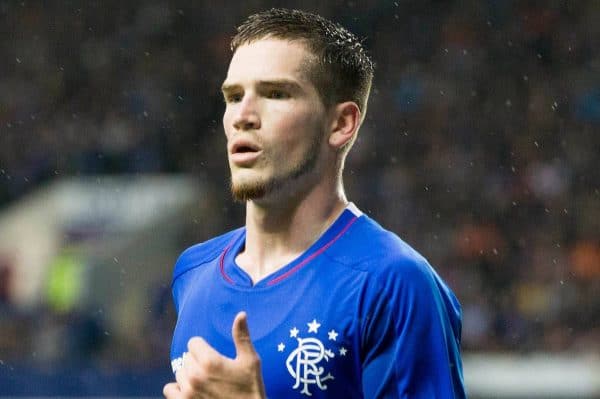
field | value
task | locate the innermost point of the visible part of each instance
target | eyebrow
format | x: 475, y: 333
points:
x: 279, y: 83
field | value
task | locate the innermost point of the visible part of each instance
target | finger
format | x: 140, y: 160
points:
x: 241, y: 336
x: 201, y: 351
x: 182, y: 379
x: 171, y: 390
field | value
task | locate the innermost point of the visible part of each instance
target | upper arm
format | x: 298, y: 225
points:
x: 410, y: 344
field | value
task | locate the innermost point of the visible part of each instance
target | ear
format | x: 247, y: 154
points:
x: 344, y: 124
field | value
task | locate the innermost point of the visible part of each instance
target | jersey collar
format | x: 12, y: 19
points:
x: 235, y: 275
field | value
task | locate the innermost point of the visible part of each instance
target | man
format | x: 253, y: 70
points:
x: 337, y: 306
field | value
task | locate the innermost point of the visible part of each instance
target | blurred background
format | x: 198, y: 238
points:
x: 480, y: 148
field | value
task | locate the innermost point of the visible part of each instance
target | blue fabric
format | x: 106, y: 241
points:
x: 359, y: 315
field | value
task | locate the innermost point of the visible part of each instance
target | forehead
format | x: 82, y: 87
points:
x: 268, y: 59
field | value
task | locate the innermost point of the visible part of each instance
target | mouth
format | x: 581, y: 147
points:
x: 244, y: 153
x: 243, y: 147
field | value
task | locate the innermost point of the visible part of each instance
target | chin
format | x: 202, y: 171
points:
x: 247, y: 191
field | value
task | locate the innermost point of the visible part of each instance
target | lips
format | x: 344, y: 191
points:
x: 244, y: 152
x: 243, y: 146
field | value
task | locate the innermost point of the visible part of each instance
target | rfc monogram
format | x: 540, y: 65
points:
x: 303, y: 364
x: 307, y: 363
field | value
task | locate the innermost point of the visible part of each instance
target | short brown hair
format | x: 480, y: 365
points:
x: 343, y: 71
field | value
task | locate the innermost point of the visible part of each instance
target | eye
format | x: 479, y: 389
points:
x: 233, y: 98
x: 277, y: 94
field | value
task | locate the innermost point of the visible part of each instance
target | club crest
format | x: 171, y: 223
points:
x: 308, y: 357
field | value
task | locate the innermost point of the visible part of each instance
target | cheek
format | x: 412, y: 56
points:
x: 226, y: 122
x: 297, y: 137
x: 296, y: 124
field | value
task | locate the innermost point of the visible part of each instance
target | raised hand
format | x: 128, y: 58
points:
x: 208, y: 374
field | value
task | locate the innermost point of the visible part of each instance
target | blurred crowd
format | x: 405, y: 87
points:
x: 480, y: 148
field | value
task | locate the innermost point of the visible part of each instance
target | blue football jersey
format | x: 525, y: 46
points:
x: 360, y: 314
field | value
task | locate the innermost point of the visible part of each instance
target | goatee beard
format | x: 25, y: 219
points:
x: 258, y: 189
x: 247, y: 192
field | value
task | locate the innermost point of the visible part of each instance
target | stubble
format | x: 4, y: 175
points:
x: 259, y: 188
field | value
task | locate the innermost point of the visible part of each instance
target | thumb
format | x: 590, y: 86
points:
x: 241, y: 336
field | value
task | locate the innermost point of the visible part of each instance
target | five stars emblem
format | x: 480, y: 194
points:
x: 307, y: 361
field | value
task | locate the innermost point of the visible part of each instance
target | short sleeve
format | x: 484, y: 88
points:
x: 411, y: 336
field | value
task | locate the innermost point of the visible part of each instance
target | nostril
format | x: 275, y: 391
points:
x: 250, y: 124
x: 245, y: 125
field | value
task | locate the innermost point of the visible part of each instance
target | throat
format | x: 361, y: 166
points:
x: 259, y: 267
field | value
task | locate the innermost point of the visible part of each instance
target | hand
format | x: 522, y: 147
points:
x: 208, y: 374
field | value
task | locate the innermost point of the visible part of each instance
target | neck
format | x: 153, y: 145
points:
x: 279, y: 231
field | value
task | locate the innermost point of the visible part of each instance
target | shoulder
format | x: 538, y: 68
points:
x: 388, y: 264
x: 395, y: 272
x: 203, y: 253
x: 371, y: 248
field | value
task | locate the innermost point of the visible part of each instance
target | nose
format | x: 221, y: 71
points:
x: 246, y: 116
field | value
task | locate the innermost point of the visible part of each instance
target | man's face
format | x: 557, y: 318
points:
x: 274, y: 119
